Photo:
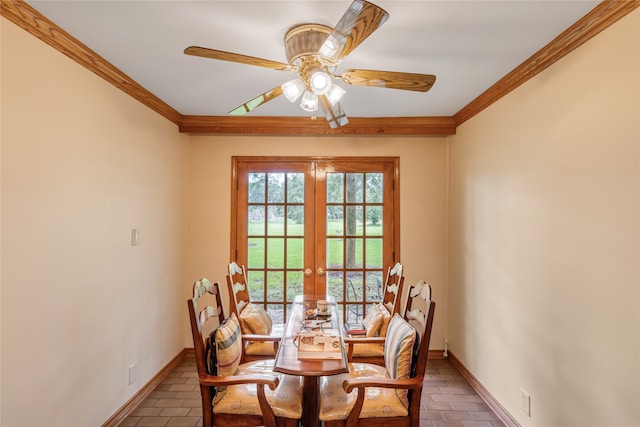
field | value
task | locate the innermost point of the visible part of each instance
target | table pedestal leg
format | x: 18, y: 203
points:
x: 310, y: 396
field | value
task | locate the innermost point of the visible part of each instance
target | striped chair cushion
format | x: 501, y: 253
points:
x: 224, y: 348
x: 399, y: 348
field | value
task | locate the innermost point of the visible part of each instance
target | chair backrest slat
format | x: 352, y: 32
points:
x: 200, y: 316
x: 203, y: 289
x: 392, y: 289
x: 238, y: 288
x: 419, y: 313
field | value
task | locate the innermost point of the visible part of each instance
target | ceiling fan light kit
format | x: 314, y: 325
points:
x: 293, y: 89
x: 309, y: 101
x: 335, y: 94
x: 320, y: 82
x: 313, y: 52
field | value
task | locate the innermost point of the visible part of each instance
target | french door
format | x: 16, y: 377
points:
x: 315, y: 226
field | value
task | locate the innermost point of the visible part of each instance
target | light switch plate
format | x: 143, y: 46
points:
x: 135, y: 237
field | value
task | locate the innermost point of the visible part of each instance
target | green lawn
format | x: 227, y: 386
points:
x: 276, y: 245
x: 294, y: 263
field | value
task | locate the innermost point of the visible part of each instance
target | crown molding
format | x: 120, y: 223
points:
x: 261, y: 125
x: 29, y: 19
x: 601, y: 17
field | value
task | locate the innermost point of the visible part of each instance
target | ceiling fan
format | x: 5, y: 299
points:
x: 313, y: 52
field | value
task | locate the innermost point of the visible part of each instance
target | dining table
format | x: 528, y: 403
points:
x: 287, y: 360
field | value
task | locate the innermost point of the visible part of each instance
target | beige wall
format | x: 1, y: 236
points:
x: 82, y: 164
x: 541, y: 290
x: 423, y: 202
x: 544, y: 277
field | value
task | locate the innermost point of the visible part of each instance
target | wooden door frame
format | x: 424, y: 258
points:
x: 236, y: 160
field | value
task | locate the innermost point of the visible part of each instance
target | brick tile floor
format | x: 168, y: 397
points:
x: 447, y: 400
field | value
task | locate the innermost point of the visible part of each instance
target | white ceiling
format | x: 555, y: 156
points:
x: 468, y: 45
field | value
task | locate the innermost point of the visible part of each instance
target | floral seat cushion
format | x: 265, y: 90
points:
x: 286, y: 399
x: 336, y: 404
x: 399, y: 350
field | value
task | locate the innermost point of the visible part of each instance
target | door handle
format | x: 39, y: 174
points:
x: 308, y: 271
x: 320, y: 271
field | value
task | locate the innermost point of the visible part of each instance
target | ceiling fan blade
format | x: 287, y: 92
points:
x: 389, y: 79
x: 333, y: 113
x: 236, y: 57
x: 257, y: 101
x: 358, y: 22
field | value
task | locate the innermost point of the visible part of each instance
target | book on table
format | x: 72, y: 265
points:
x: 319, y: 344
x: 356, y: 328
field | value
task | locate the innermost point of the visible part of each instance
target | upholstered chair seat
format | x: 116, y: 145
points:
x: 285, y: 400
x: 378, y: 402
x: 388, y: 395
x: 237, y: 393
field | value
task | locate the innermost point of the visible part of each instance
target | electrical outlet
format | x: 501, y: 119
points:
x: 525, y: 402
x: 133, y: 372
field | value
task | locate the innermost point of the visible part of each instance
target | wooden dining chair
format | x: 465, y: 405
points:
x: 385, y: 396
x: 255, y: 321
x: 370, y: 349
x: 235, y: 393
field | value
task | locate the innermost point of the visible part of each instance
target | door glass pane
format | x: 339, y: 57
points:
x: 275, y: 252
x: 256, y: 220
x: 374, y: 253
x: 335, y: 224
x: 374, y: 188
x: 256, y: 189
x: 256, y: 252
x: 335, y: 284
x: 374, y: 221
x: 295, y: 284
x: 275, y: 285
x: 335, y: 188
x: 276, y: 312
x: 295, y: 188
x: 334, y: 253
x: 275, y: 225
x: 354, y: 221
x: 353, y: 253
x: 255, y: 280
x: 354, y: 286
x: 295, y: 220
x: 374, y: 286
x: 276, y: 187
x: 295, y: 253
x: 354, y: 312
x: 354, y: 187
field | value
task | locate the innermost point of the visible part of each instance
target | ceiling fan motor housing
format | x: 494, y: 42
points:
x: 305, y: 40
